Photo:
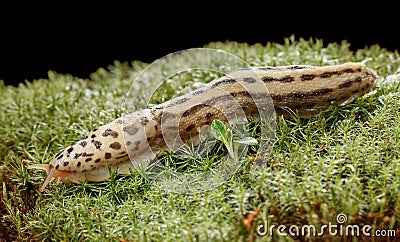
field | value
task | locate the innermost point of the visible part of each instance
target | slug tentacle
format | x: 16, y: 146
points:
x: 52, y: 174
x: 305, y: 90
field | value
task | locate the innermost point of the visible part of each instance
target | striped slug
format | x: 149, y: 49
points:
x: 306, y: 90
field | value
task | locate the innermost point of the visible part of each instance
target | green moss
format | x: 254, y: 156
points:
x: 344, y: 161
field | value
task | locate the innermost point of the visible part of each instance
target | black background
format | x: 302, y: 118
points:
x: 78, y: 40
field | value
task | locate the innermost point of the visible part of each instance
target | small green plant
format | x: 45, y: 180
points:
x: 225, y: 135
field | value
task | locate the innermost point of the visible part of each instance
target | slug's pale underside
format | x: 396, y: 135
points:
x: 301, y: 89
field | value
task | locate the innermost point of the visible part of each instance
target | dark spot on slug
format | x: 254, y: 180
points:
x: 328, y: 74
x: 70, y: 149
x: 198, y: 92
x: 57, y: 166
x: 209, y: 115
x: 66, y: 163
x: 319, y: 92
x: 286, y: 79
x: 120, y: 157
x: 179, y: 101
x: 83, y: 143
x: 350, y: 82
x: 137, y: 142
x: 193, y: 110
x: 345, y: 84
x: 249, y: 79
x: 167, y: 115
x: 94, y: 130
x: 78, y: 164
x: 307, y: 77
x: 96, y: 144
x: 131, y: 129
x: 110, y: 132
x: 107, y: 155
x: 84, y: 154
x: 88, y: 159
x: 277, y: 97
x: 115, y: 146
x: 242, y: 93
x: 267, y: 79
x: 297, y: 95
x: 224, y: 81
x: 325, y: 75
x: 302, y: 95
x: 59, y: 155
x: 128, y: 143
x: 144, y: 121
x: 266, y: 68
x: 93, y: 136
x: 97, y: 160
x: 283, y: 79
x: 349, y: 70
x: 190, y: 127
x: 77, y: 155
x: 296, y: 67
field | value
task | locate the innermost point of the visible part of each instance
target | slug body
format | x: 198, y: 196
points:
x: 305, y: 90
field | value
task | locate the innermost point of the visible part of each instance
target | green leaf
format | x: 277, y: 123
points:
x: 219, y: 130
x: 247, y: 141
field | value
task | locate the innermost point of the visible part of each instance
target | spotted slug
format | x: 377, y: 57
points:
x: 302, y: 89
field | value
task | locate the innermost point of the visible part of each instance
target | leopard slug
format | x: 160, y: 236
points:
x: 306, y: 90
